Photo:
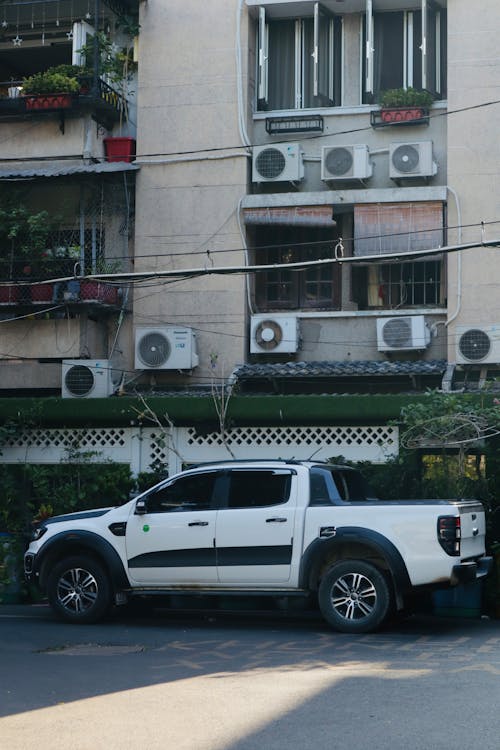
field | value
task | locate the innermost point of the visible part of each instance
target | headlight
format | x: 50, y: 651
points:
x: 38, y: 532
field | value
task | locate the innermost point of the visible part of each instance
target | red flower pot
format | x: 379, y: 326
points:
x: 119, y: 149
x: 402, y: 114
x: 48, y: 101
x: 97, y: 291
x: 41, y: 292
x: 9, y: 294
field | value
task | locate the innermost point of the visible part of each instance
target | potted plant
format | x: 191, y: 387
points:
x: 404, y: 105
x: 117, y: 68
x: 50, y: 90
x: 93, y: 290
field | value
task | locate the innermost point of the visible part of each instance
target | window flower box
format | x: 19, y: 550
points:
x: 9, y: 294
x: 48, y: 101
x: 41, y: 293
x: 98, y: 291
x: 403, y: 107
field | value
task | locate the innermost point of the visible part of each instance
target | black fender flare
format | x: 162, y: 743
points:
x: 73, y: 542
x: 320, y: 548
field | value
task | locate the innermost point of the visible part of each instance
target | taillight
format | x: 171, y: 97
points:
x: 448, y: 530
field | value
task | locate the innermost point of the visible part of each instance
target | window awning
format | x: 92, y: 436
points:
x: 62, y: 169
x: 298, y: 216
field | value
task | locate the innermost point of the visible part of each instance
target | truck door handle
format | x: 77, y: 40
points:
x: 198, y: 523
x: 276, y: 520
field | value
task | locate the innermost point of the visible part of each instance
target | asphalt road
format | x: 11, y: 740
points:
x: 211, y: 681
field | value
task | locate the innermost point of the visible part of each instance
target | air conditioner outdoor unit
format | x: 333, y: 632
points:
x: 408, y: 160
x: 477, y: 345
x: 346, y: 163
x: 165, y: 348
x: 280, y: 163
x: 273, y: 334
x: 86, y: 378
x: 405, y: 333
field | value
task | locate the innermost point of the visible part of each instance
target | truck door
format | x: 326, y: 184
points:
x: 254, y: 530
x: 173, y: 541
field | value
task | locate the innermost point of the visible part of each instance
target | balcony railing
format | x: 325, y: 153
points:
x: 53, y: 282
x: 106, y: 105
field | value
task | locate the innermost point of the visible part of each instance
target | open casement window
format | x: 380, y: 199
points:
x: 299, y: 61
x: 82, y: 33
x: 434, y: 49
x: 405, y: 48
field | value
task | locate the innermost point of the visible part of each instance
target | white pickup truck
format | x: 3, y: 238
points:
x: 278, y: 528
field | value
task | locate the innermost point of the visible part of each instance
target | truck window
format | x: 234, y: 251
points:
x: 258, y: 489
x: 193, y: 492
x: 352, y: 486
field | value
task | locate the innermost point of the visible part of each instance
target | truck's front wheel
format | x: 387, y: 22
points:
x: 78, y: 590
x: 354, y: 596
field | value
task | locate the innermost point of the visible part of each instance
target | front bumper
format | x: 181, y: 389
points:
x: 29, y: 567
x: 468, y: 572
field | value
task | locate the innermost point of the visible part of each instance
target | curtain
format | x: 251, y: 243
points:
x: 281, y: 67
x: 381, y: 228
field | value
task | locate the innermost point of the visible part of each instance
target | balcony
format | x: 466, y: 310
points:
x: 96, y: 36
x: 105, y: 105
x: 57, y: 284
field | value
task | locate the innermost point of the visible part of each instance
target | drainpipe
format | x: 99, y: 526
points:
x: 96, y: 60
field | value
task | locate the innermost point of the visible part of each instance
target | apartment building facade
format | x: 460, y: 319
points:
x: 287, y: 237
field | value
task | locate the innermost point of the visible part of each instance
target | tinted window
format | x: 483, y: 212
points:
x: 258, y: 489
x: 193, y: 492
x: 331, y: 486
x: 352, y: 487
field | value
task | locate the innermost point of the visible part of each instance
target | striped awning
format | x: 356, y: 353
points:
x: 298, y: 216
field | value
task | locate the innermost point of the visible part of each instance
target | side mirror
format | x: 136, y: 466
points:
x: 140, y: 508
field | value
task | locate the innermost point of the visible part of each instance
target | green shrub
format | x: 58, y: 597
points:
x: 409, y: 97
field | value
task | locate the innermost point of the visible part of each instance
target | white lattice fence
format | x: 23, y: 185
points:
x: 371, y: 443
x: 141, y: 447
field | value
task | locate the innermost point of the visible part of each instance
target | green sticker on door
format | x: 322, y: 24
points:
x: 145, y: 527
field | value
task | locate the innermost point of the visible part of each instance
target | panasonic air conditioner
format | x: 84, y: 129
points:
x: 273, y: 334
x: 86, y: 378
x: 165, y: 348
x: 346, y: 163
x: 280, y: 163
x: 477, y: 344
x: 408, y: 160
x: 404, y: 333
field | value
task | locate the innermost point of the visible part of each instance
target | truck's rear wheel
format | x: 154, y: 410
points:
x: 354, y: 596
x: 78, y: 590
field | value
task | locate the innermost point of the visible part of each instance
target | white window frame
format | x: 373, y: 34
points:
x: 319, y: 16
x: 408, y: 70
x: 81, y: 30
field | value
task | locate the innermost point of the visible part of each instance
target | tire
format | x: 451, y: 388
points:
x: 354, y: 597
x: 78, y: 590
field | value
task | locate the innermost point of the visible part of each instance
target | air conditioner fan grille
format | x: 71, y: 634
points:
x: 397, y: 333
x: 270, y: 163
x: 79, y: 380
x: 154, y: 349
x: 474, y: 344
x: 405, y: 158
x: 339, y: 161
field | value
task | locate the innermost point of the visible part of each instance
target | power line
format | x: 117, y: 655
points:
x: 189, y: 273
x: 310, y: 137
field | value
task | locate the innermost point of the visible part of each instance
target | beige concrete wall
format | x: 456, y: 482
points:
x: 474, y: 160
x: 40, y: 138
x: 32, y: 338
x: 193, y: 175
